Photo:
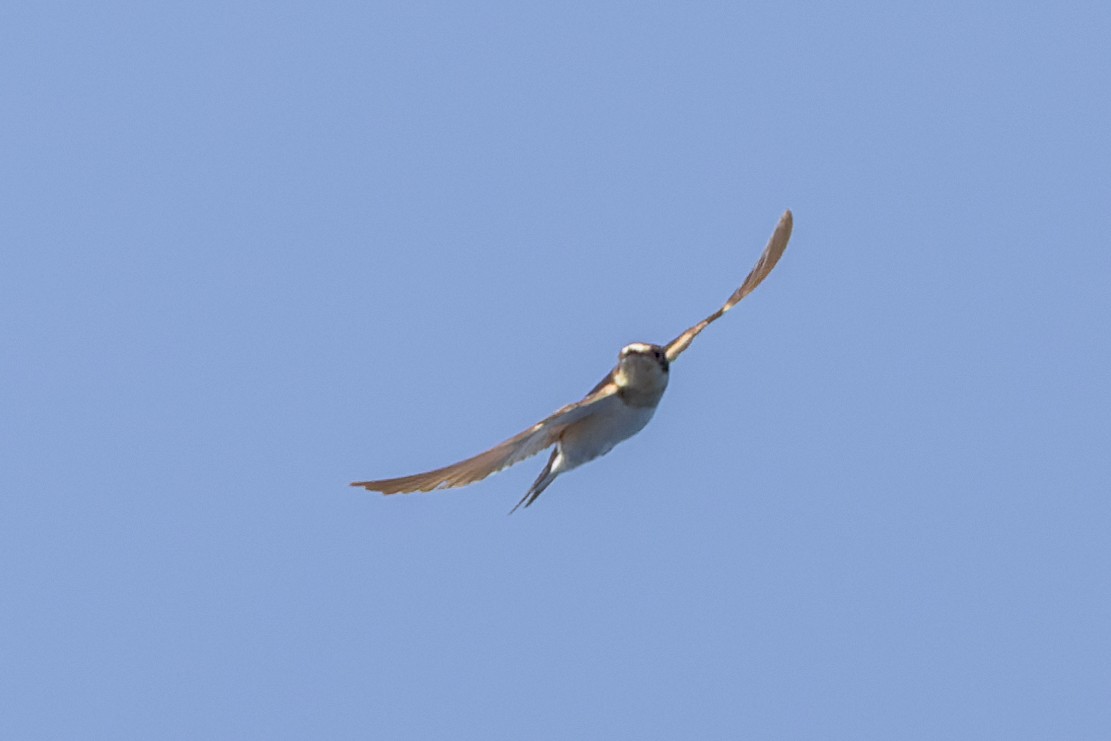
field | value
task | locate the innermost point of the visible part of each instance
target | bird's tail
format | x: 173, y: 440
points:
x: 546, y: 477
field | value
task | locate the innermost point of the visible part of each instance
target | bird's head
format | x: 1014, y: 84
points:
x: 641, y: 365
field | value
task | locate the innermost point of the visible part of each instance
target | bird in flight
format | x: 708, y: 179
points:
x: 616, y: 409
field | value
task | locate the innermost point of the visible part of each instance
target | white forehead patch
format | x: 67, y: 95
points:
x: 636, y: 347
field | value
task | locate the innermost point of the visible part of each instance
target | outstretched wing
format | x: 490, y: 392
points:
x: 541, y: 435
x: 776, y: 245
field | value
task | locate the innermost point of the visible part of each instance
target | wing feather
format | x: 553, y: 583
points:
x: 776, y: 245
x: 524, y: 445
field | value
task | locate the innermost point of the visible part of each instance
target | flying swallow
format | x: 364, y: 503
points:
x: 616, y: 409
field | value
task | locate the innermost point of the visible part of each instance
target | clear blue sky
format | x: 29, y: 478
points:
x: 253, y: 252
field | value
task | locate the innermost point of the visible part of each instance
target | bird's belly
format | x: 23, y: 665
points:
x: 598, y: 434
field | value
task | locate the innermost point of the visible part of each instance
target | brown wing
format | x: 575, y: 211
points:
x: 776, y: 245
x: 541, y: 435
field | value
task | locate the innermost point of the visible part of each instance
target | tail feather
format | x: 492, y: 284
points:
x: 545, y: 478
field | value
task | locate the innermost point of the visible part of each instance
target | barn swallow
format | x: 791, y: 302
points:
x: 616, y: 409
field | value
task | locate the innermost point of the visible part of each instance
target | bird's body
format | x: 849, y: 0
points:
x: 637, y: 383
x: 614, y: 410
x: 613, y: 421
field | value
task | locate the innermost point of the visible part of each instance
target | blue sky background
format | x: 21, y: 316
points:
x: 253, y: 252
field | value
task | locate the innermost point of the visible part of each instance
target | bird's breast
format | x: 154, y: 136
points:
x: 597, y: 434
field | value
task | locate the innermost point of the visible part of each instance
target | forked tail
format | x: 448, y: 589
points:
x: 542, y: 481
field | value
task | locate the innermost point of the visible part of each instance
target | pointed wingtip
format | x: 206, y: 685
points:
x: 370, y: 486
